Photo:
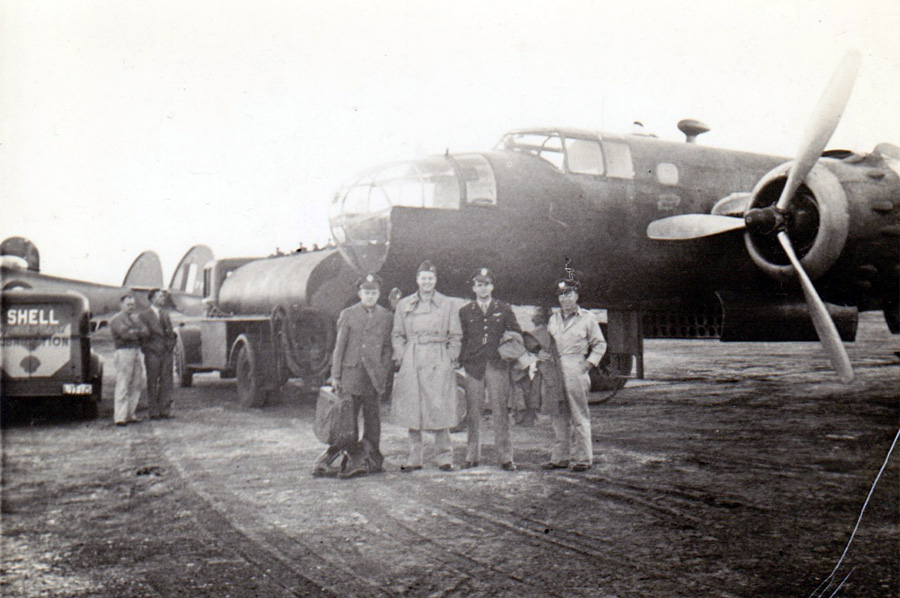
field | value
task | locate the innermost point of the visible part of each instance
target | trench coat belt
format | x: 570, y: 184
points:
x: 427, y: 337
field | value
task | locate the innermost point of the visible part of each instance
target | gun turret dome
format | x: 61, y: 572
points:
x: 691, y: 129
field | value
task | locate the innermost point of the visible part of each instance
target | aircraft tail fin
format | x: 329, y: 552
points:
x: 22, y: 248
x: 187, y: 277
x: 145, y: 272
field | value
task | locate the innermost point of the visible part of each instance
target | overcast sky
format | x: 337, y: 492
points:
x: 129, y: 125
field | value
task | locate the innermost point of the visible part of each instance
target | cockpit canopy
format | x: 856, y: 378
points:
x: 360, y: 211
x: 573, y: 151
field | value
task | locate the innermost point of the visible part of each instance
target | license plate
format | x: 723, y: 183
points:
x: 78, y: 389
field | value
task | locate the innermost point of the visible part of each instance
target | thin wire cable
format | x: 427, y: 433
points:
x: 859, y: 519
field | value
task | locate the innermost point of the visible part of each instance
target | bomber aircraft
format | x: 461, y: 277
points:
x: 672, y: 239
x: 20, y: 269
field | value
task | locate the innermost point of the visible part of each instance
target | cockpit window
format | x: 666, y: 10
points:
x: 547, y: 146
x: 584, y: 156
x: 476, y: 172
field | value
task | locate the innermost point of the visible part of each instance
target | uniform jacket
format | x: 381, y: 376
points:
x: 362, y: 348
x: 548, y: 381
x: 577, y: 339
x: 127, y: 331
x: 482, y: 333
x: 161, y: 339
x: 426, y: 338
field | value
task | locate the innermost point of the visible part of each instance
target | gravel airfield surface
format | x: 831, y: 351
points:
x: 733, y: 470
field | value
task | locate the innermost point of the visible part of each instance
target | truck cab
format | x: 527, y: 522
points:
x: 46, y: 349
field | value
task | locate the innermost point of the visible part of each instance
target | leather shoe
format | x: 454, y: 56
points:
x: 446, y: 467
x: 555, y: 465
x: 509, y: 466
x: 134, y: 420
x: 320, y: 471
x: 470, y: 464
x: 408, y: 468
x: 581, y: 467
x: 123, y: 424
x: 357, y: 471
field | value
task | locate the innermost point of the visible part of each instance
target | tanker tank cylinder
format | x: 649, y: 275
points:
x: 282, y: 288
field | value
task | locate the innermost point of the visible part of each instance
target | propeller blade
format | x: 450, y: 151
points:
x: 825, y: 327
x: 692, y: 226
x: 822, y: 125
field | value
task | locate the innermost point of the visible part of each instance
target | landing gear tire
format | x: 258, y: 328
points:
x: 249, y: 387
x: 609, y: 377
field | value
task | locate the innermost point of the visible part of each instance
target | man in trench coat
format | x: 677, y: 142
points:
x: 426, y: 339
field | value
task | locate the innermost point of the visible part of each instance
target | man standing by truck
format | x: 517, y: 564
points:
x: 157, y: 347
x: 359, y: 368
x: 127, y: 333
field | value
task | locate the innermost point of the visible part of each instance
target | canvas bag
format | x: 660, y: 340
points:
x: 335, y: 423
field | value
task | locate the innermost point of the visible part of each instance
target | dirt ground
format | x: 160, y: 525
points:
x: 733, y: 470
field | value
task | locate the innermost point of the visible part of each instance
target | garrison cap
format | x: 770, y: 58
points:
x: 482, y: 275
x: 369, y: 281
x: 567, y: 285
x: 427, y: 266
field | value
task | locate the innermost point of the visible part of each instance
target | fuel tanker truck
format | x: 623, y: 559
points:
x: 267, y: 320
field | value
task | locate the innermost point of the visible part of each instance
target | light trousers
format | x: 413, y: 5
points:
x: 129, y: 383
x: 572, y: 431
x: 443, y: 448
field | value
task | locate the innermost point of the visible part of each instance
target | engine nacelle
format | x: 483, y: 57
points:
x: 818, y: 223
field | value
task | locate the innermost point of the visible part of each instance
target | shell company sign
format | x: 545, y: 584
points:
x: 36, y: 339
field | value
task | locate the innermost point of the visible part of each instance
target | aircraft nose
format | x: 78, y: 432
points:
x: 360, y: 211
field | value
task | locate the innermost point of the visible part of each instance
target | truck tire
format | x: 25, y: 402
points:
x: 248, y: 374
x: 90, y: 407
x: 183, y: 375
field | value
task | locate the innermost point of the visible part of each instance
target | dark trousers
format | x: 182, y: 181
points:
x: 496, y: 382
x: 369, y: 447
x: 159, y: 382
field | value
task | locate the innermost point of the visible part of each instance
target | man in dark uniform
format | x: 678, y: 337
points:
x: 484, y: 322
x: 359, y: 367
x: 157, y: 347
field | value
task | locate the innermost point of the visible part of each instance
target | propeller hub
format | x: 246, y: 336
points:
x: 767, y: 221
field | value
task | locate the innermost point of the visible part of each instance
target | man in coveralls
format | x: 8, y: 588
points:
x: 580, y: 345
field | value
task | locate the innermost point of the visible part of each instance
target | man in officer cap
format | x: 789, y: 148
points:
x: 484, y: 323
x: 359, y: 367
x: 580, y: 346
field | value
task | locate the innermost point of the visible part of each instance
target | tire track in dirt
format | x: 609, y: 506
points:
x: 145, y: 446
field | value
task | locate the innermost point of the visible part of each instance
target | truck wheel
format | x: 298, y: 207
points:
x: 183, y: 375
x: 89, y: 408
x: 250, y: 392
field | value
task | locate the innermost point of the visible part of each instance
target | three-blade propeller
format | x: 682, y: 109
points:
x: 819, y: 131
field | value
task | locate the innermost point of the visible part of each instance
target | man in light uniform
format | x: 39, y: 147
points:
x: 127, y: 332
x: 580, y: 345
